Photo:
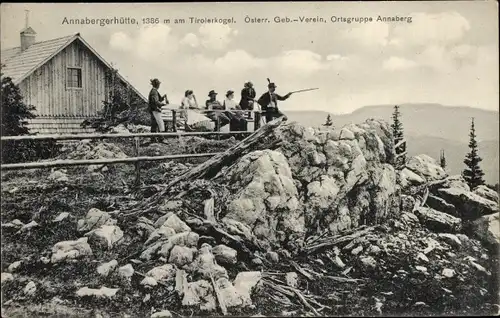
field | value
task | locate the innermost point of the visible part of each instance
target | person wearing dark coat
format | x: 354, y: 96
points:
x: 220, y: 118
x: 269, y: 103
x: 247, y: 97
x: 155, y: 101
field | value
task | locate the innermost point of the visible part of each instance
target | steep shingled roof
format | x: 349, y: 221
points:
x: 19, y: 65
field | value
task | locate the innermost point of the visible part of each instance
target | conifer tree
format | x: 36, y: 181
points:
x: 328, y: 121
x: 397, y: 132
x: 442, y: 161
x: 472, y: 173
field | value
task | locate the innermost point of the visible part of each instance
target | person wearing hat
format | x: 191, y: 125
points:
x: 190, y: 111
x: 238, y: 121
x: 247, y: 97
x: 220, y: 118
x: 269, y: 102
x: 155, y: 103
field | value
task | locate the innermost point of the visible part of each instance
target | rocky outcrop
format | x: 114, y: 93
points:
x: 468, y: 204
x: 317, y: 179
x: 425, y: 167
x: 438, y: 221
x: 487, y: 230
x: 487, y: 193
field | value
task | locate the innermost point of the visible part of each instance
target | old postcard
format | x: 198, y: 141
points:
x: 250, y: 159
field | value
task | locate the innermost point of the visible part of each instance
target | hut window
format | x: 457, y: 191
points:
x: 74, y: 78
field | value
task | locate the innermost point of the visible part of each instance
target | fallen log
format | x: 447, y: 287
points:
x: 211, y: 167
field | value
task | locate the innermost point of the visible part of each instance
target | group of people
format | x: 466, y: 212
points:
x: 215, y: 113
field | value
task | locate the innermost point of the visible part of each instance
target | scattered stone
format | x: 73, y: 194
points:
x: 94, y: 219
x: 145, y: 226
x: 479, y: 267
x: 164, y: 272
x: 181, y: 255
x: 61, y: 217
x: 126, y: 271
x: 422, y: 257
x: 421, y: 269
x: 188, y: 239
x: 357, y: 250
x: 447, y: 272
x: 438, y: 221
x: 368, y: 262
x: 206, y: 265
x: 338, y: 262
x: 257, y: 261
x: 199, y: 293
x: 149, y: 282
x: 102, y: 292
x: 45, y: 260
x: 106, y: 235
x: 450, y: 239
x: 272, y: 257
x: 58, y: 175
x: 70, y: 250
x: 106, y: 268
x: 162, y: 314
x: 292, y: 279
x: 420, y: 304
x: 146, y: 298
x: 175, y: 223
x: 6, y: 277
x: 28, y: 226
x: 225, y: 255
x: 374, y: 249
x: 30, y: 289
x: 14, y: 266
x: 245, y: 282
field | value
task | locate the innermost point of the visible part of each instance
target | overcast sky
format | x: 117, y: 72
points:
x: 448, y: 54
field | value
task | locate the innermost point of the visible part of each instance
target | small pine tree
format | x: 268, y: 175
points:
x: 397, y: 132
x: 442, y: 161
x: 14, y: 110
x: 14, y: 123
x: 473, y: 174
x: 329, y: 121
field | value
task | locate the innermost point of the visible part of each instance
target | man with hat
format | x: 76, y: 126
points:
x: 155, y: 103
x: 269, y: 102
x: 221, y: 119
x: 247, y: 97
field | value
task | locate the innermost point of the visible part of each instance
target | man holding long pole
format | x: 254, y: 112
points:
x: 269, y: 102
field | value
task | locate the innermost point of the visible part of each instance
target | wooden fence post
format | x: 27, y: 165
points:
x: 174, y: 121
x: 137, y: 164
x: 256, y: 120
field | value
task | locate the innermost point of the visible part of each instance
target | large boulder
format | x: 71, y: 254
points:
x: 316, y: 179
x: 455, y: 181
x: 438, y: 221
x: 426, y: 167
x: 468, y: 204
x: 441, y: 205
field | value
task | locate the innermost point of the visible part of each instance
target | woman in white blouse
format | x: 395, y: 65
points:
x: 190, y: 113
x: 238, y: 121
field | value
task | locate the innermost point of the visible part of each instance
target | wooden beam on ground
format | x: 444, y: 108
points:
x: 88, y: 162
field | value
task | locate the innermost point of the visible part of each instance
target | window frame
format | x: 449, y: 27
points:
x: 69, y: 80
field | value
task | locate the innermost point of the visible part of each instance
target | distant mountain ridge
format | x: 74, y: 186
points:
x: 428, y: 129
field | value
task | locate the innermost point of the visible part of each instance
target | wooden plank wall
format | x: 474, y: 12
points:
x: 62, y: 107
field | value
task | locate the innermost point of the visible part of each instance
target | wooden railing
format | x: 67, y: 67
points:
x: 135, y: 160
x: 256, y: 119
